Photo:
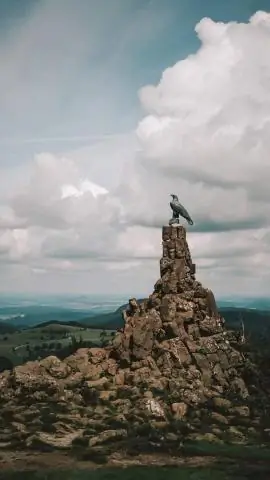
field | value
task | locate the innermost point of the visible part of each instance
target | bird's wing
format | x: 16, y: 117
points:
x: 179, y: 208
x: 175, y: 212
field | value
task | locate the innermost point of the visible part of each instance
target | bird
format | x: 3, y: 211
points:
x: 179, y: 209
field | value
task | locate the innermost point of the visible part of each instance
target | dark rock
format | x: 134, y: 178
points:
x: 107, y: 436
x: 171, y: 364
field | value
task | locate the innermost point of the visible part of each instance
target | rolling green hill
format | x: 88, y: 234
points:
x: 7, y: 328
x: 51, y: 338
x: 70, y: 323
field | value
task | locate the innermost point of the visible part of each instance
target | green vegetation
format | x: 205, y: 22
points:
x: 7, y: 328
x: 196, y: 461
x: 48, y: 339
x: 131, y: 473
x: 203, y: 448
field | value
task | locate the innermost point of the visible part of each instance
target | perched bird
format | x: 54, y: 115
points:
x: 178, y: 209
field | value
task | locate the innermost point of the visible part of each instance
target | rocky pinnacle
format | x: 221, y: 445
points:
x: 176, y: 267
x: 172, y: 360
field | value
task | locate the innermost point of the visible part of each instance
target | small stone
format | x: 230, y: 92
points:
x: 235, y: 434
x: 107, y: 436
x: 218, y: 418
x: 221, y: 403
x: 155, y: 408
x: 179, y: 410
x: 107, y: 395
x: 148, y: 394
x: 242, y: 411
x: 119, y: 378
x: 207, y: 437
x: 101, y: 382
x: 172, y: 437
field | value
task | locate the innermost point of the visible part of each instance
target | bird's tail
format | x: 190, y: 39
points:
x: 190, y: 222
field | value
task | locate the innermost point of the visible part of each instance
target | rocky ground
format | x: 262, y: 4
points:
x: 171, y: 375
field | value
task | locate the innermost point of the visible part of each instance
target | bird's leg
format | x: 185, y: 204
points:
x: 174, y: 219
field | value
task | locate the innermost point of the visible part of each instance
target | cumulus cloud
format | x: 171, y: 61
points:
x: 71, y: 218
x: 56, y: 195
x: 208, y: 126
x: 205, y: 136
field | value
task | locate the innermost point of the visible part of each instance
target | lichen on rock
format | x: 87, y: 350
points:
x: 172, y: 363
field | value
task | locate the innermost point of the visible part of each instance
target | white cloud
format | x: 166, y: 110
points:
x: 84, y: 187
x: 208, y: 124
x: 205, y: 136
x: 8, y: 219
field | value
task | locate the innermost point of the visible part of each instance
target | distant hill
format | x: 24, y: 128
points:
x: 7, y: 328
x: 253, y: 319
x: 107, y: 321
x: 26, y: 316
x: 58, y: 323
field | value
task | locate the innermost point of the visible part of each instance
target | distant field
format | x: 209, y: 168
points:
x: 17, y: 346
x: 49, y: 333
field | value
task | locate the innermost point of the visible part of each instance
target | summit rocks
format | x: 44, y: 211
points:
x: 171, y: 372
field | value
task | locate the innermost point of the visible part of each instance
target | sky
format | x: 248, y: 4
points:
x: 107, y: 107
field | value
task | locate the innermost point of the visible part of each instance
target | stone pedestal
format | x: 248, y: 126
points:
x: 176, y: 264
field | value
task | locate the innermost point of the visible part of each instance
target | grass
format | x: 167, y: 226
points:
x: 196, y: 461
x: 39, y: 335
x: 252, y: 452
x: 50, y: 335
x: 131, y: 473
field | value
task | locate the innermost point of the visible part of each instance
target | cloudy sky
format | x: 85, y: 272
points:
x: 106, y: 107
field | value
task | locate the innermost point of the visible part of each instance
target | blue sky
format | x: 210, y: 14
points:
x: 85, y: 78
x: 72, y: 83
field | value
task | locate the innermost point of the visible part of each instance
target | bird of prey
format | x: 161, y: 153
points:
x: 178, y: 210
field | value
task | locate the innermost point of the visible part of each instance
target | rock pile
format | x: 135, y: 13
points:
x: 170, y: 373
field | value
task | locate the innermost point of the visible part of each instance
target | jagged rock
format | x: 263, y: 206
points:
x: 155, y: 408
x: 241, y: 411
x: 179, y: 410
x: 222, y: 404
x: 45, y: 441
x: 107, y: 436
x: 219, y: 418
x: 172, y: 365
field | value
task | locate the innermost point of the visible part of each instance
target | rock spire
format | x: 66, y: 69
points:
x: 171, y: 372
